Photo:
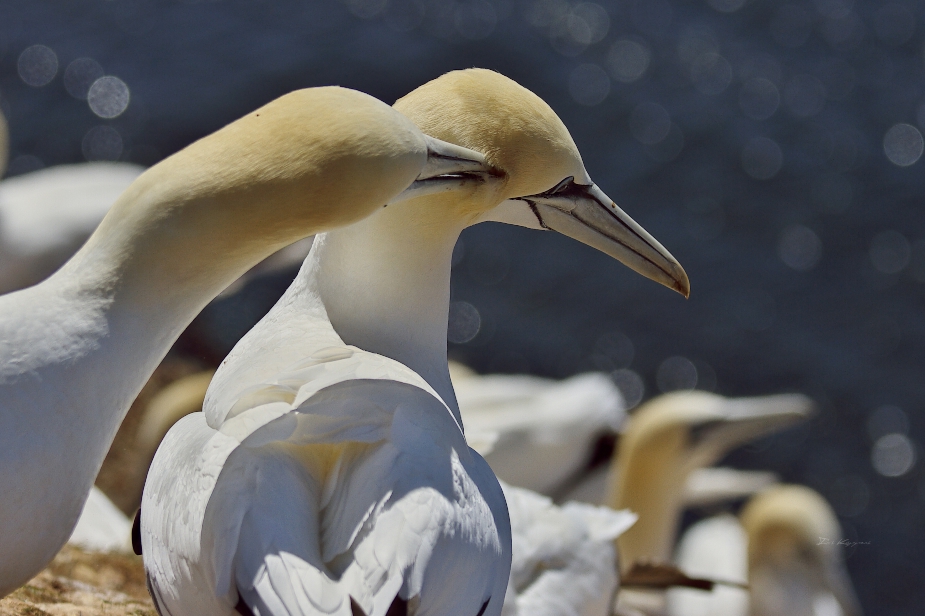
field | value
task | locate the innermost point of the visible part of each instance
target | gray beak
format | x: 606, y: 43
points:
x: 745, y: 419
x: 448, y: 167
x: 585, y: 213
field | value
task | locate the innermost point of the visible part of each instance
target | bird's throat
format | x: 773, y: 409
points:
x: 386, y: 289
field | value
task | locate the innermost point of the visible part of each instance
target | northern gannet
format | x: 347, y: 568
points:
x: 669, y: 437
x: 664, y: 442
x: 537, y: 433
x: 76, y: 349
x: 102, y: 527
x: 563, y: 560
x: 329, y: 472
x: 787, y: 547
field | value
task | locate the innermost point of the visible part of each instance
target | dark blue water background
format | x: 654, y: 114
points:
x: 804, y: 243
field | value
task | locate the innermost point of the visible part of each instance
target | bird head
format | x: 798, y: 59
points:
x: 539, y: 180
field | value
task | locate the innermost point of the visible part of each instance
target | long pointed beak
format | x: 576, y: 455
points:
x: 448, y: 167
x: 584, y: 213
x: 745, y: 419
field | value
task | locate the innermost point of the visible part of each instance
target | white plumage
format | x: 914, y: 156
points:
x: 329, y: 472
x: 76, y: 348
x: 537, y: 433
x: 46, y: 215
x: 785, y: 545
x: 102, y: 527
x: 564, y: 561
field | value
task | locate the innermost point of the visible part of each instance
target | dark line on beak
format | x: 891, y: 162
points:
x: 536, y: 213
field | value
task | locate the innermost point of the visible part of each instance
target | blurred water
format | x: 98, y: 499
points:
x: 773, y: 147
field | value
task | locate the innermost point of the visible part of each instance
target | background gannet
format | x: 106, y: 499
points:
x: 664, y: 442
x: 787, y: 547
x: 46, y: 215
x: 76, y: 348
x: 101, y: 526
x: 537, y: 433
x: 329, y: 468
x: 669, y: 437
x: 563, y: 558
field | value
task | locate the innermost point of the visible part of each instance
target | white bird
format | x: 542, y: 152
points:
x: 664, y: 441
x: 102, y: 527
x: 76, y: 349
x: 787, y: 547
x: 563, y: 558
x: 536, y: 433
x: 669, y: 437
x: 46, y: 215
x: 329, y: 472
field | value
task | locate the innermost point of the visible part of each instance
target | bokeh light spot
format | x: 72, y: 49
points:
x: 595, y: 20
x: 108, y: 97
x: 759, y: 98
x: 762, y: 158
x: 37, y: 65
x: 676, y: 373
x: 711, y: 73
x: 628, y: 60
x: 80, y: 75
x: 464, y: 322
x: 649, y: 123
x: 903, y: 145
x: 799, y: 248
x: 893, y: 455
x: 102, y: 143
x: 588, y: 84
x: 630, y: 385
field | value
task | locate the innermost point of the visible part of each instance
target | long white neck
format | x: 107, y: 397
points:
x: 76, y: 349
x: 385, y: 286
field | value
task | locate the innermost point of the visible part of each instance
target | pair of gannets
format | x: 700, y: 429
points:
x: 76, y: 348
x: 669, y: 438
x: 785, y: 543
x: 664, y: 442
x: 673, y: 437
x: 329, y: 472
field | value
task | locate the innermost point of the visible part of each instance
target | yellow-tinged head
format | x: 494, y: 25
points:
x: 669, y: 437
x: 795, y: 553
x: 788, y: 523
x: 514, y: 128
x: 309, y: 161
x: 541, y: 181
